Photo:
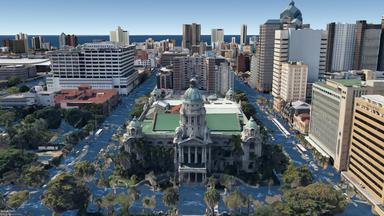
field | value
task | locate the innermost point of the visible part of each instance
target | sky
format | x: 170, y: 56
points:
x: 152, y: 17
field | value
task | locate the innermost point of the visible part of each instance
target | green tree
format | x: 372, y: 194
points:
x: 240, y: 96
x: 7, y: 118
x: 235, y: 201
x: 17, y: 198
x: 51, y: 115
x: 295, y: 177
x: 34, y: 175
x: 227, y: 181
x: 248, y: 109
x: 127, y: 200
x: 13, y: 160
x: 265, y: 210
x: 149, y: 202
x: 171, y: 197
x: 23, y: 88
x: 108, y: 202
x: 211, y: 198
x: 237, y: 151
x: 314, y: 199
x: 65, y: 192
x: 84, y: 169
x: 78, y: 118
x: 13, y: 90
x: 13, y: 81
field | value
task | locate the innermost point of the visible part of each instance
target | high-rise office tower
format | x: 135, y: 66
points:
x: 367, y: 45
x: 119, y: 35
x: 35, y: 41
x: 366, y: 155
x: 71, y: 40
x: 306, y: 45
x: 243, y: 62
x: 104, y: 65
x: 217, y: 37
x: 380, y: 66
x: 290, y: 17
x: 225, y: 78
x: 243, y: 34
x: 24, y: 37
x: 331, y: 116
x: 62, y: 40
x: 191, y: 35
x: 340, y: 46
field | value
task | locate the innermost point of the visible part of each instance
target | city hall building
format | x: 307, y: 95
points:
x: 202, y: 130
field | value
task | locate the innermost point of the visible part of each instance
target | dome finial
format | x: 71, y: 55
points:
x: 292, y: 3
x: 193, y: 83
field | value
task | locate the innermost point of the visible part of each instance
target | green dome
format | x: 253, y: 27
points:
x: 192, y: 93
x: 252, y: 124
x: 134, y: 123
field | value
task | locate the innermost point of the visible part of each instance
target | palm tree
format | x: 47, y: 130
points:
x: 171, y: 198
x: 235, y: 201
x: 108, y: 202
x: 126, y: 200
x: 237, y: 152
x: 212, y: 198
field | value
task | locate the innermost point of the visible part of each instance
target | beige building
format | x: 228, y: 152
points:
x: 366, y: 152
x: 331, y: 116
x: 293, y: 83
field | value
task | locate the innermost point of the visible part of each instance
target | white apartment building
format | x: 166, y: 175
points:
x: 119, y: 35
x: 217, y: 37
x: 305, y: 45
x: 293, y: 81
x: 225, y: 78
x: 104, y: 65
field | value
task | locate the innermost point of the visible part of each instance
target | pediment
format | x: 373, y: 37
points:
x: 192, y: 142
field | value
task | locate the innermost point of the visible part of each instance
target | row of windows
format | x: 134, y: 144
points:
x: 362, y: 179
x: 370, y: 117
x: 369, y: 132
x: 365, y: 167
x: 378, y: 160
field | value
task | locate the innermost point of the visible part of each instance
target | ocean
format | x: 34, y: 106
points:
x: 54, y: 39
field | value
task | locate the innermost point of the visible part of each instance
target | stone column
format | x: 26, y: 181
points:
x: 209, y: 158
x: 181, y: 156
x: 189, y: 154
x: 196, y: 155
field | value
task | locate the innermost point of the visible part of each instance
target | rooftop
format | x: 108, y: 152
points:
x: 85, y: 94
x: 22, y: 61
x: 348, y: 82
x: 375, y: 98
x: 168, y: 122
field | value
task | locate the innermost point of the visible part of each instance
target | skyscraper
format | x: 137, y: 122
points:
x: 36, y: 45
x: 71, y: 40
x: 119, y: 35
x: 24, y: 37
x: 217, y: 37
x: 367, y: 45
x: 306, y: 45
x: 243, y: 34
x: 290, y: 17
x: 62, y: 40
x: 191, y: 35
x: 340, y: 47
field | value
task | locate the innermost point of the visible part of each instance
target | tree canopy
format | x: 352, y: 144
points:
x: 170, y: 197
x: 65, y: 192
x: 295, y: 177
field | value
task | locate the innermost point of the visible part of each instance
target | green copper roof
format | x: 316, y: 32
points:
x: 348, y: 82
x: 252, y: 124
x: 192, y: 94
x: 227, y: 122
x: 134, y: 123
x: 223, y: 122
x: 166, y: 122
